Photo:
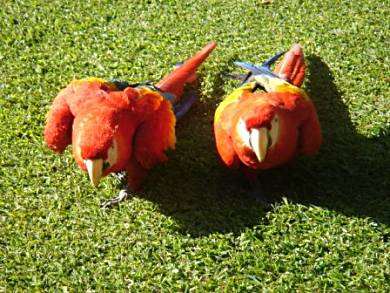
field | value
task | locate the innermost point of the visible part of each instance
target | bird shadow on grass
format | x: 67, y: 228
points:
x: 349, y: 174
x: 193, y: 187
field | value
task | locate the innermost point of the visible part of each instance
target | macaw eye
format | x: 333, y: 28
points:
x: 106, y: 165
x: 243, y: 132
x: 112, y: 155
x: 273, y: 133
x: 269, y: 141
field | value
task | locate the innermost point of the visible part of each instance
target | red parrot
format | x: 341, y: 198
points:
x: 115, y: 126
x: 269, y: 119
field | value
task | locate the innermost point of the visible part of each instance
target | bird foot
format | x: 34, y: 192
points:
x: 263, y: 199
x: 123, y: 194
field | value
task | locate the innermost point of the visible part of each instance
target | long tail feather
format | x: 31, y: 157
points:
x: 267, y: 63
x: 174, y: 82
x: 292, y: 67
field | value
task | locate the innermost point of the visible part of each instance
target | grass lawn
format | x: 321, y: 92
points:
x: 193, y: 226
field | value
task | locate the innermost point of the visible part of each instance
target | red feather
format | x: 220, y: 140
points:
x: 136, y: 126
x: 298, y: 126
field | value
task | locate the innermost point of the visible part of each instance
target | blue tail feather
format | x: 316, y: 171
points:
x: 264, y: 68
x: 184, y: 106
x: 267, y: 63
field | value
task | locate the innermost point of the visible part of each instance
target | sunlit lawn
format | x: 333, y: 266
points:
x: 193, y: 226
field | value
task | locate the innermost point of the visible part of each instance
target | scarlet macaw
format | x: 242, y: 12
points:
x: 256, y: 130
x: 115, y: 126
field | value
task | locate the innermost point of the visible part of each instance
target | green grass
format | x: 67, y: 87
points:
x: 193, y: 227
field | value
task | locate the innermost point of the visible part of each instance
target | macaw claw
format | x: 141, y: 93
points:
x: 123, y: 194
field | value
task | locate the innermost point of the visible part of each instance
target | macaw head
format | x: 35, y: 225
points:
x: 255, y: 129
x: 102, y: 135
x: 262, y: 125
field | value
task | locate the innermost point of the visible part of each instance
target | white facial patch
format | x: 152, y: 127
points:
x: 112, y: 153
x: 243, y: 133
x: 274, y: 131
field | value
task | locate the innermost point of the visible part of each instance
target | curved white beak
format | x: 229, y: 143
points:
x: 259, y: 139
x: 259, y: 142
x: 95, y: 170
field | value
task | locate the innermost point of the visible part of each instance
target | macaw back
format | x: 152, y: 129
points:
x: 88, y: 113
x: 115, y: 126
x: 284, y: 113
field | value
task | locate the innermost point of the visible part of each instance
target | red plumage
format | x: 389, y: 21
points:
x: 118, y: 129
x: 261, y: 130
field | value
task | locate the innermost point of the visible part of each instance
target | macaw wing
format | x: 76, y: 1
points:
x: 310, y: 135
x: 223, y: 140
x: 223, y: 123
x: 156, y: 133
x: 58, y: 129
